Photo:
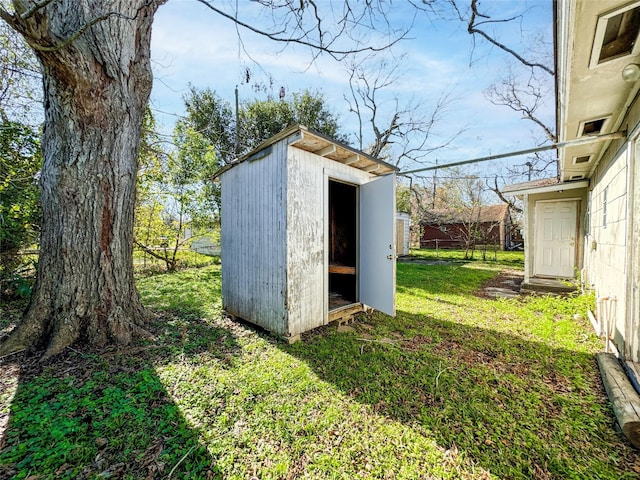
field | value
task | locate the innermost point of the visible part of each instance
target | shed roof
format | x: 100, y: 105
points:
x: 320, y: 144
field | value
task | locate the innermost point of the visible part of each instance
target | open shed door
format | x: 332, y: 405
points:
x: 377, y: 259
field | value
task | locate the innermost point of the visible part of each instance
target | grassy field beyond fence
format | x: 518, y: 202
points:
x: 456, y: 386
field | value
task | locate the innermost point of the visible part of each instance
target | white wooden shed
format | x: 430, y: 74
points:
x: 308, y: 233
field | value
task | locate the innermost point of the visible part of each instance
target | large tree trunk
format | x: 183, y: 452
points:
x: 96, y: 88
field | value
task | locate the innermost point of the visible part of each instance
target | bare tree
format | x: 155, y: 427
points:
x: 402, y: 133
x: 465, y: 196
x: 495, y: 188
x: 525, y: 91
x: 94, y: 58
x: 528, y: 92
x: 525, y: 96
x: 525, y: 88
x: 475, y: 26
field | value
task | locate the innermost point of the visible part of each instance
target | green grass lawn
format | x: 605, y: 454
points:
x: 490, y: 255
x: 455, y: 386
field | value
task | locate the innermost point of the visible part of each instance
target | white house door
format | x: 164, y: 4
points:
x: 377, y: 262
x: 555, y: 247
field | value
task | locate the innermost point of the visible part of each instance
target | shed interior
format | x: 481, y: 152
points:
x: 343, y: 240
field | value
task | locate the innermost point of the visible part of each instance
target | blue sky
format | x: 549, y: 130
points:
x: 193, y: 45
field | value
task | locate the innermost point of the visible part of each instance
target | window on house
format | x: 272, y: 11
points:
x: 616, y: 34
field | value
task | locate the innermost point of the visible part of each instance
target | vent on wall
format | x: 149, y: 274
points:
x: 616, y: 34
x: 576, y: 177
x: 592, y: 127
x: 583, y: 159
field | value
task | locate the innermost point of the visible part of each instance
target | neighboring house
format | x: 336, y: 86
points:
x: 459, y: 228
x: 308, y: 233
x: 586, y: 223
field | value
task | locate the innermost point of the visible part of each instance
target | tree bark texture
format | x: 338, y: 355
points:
x: 96, y: 88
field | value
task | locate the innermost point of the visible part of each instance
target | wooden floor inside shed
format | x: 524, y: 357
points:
x: 336, y: 300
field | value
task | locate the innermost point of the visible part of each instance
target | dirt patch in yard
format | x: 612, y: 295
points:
x: 506, y: 285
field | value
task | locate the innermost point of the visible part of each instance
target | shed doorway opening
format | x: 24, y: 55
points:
x: 343, y: 242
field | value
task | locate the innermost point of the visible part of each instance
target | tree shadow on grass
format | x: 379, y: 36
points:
x: 108, y: 414
x: 518, y: 408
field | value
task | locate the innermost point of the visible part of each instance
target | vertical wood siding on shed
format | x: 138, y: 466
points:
x: 305, y: 242
x: 254, y: 240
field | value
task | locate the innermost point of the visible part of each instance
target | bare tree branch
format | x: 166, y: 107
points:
x: 472, y: 29
x: 524, y: 98
x: 401, y: 132
x: 323, y: 42
x: 495, y: 189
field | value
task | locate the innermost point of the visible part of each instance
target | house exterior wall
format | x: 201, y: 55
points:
x: 307, y: 235
x: 633, y: 282
x: 253, y: 239
x: 611, y: 259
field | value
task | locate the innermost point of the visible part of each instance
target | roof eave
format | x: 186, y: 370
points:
x: 555, y: 188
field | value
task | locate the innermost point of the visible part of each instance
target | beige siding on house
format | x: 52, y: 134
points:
x: 605, y: 261
x: 633, y: 282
